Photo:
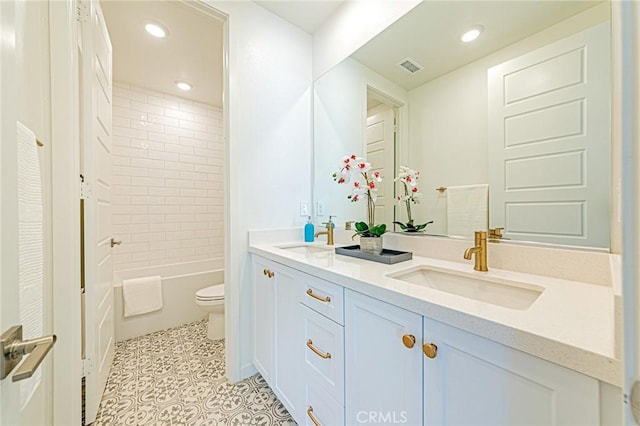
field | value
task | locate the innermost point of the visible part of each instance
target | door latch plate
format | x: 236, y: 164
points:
x: 9, y: 361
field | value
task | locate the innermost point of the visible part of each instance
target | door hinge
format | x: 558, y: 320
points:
x: 85, y: 190
x: 82, y: 11
x: 87, y: 367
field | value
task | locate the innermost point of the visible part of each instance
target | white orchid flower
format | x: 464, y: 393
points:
x: 342, y: 176
x: 408, y: 176
x: 363, y: 166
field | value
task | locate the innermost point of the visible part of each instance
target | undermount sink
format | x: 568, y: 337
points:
x: 497, y: 291
x: 306, y: 248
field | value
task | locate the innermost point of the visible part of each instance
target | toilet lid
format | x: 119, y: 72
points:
x: 215, y: 292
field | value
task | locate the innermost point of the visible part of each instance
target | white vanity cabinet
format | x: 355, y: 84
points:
x: 264, y: 327
x: 383, y: 362
x: 322, y: 307
x: 277, y: 325
x: 335, y: 356
x: 472, y: 380
x: 402, y: 367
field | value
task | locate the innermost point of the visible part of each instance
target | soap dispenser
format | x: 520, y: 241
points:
x: 308, y: 231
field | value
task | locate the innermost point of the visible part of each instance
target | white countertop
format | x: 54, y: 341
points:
x: 571, y: 323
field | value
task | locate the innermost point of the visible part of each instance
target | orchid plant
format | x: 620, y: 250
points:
x: 364, y: 182
x: 412, y: 195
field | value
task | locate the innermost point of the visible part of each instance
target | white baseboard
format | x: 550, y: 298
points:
x: 247, y: 370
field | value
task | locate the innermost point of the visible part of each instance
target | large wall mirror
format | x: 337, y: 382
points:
x: 513, y: 128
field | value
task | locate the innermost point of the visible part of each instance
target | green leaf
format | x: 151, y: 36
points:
x: 378, y: 230
x: 361, y: 227
x: 424, y: 225
x: 401, y: 225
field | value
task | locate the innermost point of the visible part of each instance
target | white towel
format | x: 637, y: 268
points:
x: 467, y: 209
x: 142, y: 295
x: 30, y: 247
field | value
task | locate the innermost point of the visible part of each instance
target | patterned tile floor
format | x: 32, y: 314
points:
x: 176, y: 377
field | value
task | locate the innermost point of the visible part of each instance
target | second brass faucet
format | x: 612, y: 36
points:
x: 480, y: 251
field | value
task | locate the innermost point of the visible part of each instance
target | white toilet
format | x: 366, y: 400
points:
x: 211, y: 299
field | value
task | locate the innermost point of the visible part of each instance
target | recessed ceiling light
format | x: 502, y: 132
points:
x: 472, y: 34
x: 156, y: 30
x: 183, y: 85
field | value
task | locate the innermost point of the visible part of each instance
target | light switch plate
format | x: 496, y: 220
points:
x: 319, y: 208
x: 304, y: 208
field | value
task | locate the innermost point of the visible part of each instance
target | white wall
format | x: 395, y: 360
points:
x: 269, y: 150
x: 351, y: 26
x: 168, y: 176
x: 448, y: 119
x: 340, y: 112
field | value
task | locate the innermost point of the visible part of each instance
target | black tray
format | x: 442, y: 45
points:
x: 387, y: 256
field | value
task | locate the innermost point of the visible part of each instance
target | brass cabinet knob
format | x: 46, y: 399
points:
x: 268, y: 273
x: 409, y: 340
x: 430, y: 350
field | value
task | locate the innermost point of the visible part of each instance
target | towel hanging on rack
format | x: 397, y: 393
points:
x: 467, y: 209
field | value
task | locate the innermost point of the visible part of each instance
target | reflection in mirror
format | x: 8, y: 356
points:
x: 380, y: 139
x: 512, y: 110
x: 340, y: 129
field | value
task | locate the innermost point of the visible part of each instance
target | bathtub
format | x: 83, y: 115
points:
x: 179, y: 285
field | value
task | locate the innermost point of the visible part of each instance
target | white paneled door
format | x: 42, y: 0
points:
x: 24, y: 284
x: 96, y: 169
x: 380, y: 140
x: 549, y: 139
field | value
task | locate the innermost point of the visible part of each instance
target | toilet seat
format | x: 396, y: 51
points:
x: 210, y: 294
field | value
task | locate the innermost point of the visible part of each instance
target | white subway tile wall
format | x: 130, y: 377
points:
x: 168, y: 179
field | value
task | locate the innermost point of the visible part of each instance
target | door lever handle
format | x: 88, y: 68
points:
x: 115, y: 243
x: 14, y: 348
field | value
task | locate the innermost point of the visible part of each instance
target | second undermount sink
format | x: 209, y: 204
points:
x: 306, y: 248
x: 497, y: 291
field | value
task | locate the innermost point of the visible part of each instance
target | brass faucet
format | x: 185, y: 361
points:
x: 328, y: 232
x: 480, y: 250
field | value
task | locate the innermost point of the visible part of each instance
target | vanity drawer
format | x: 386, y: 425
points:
x: 321, y: 409
x: 323, y: 361
x: 323, y: 297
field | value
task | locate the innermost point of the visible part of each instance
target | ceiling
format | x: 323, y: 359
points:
x: 430, y: 35
x: 192, y: 51
x: 305, y: 14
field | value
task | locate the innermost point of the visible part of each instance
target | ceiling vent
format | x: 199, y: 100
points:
x: 410, y: 66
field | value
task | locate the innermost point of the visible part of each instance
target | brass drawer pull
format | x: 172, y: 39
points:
x: 325, y: 299
x: 316, y: 351
x: 268, y: 273
x: 409, y: 340
x: 312, y: 417
x: 430, y: 350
